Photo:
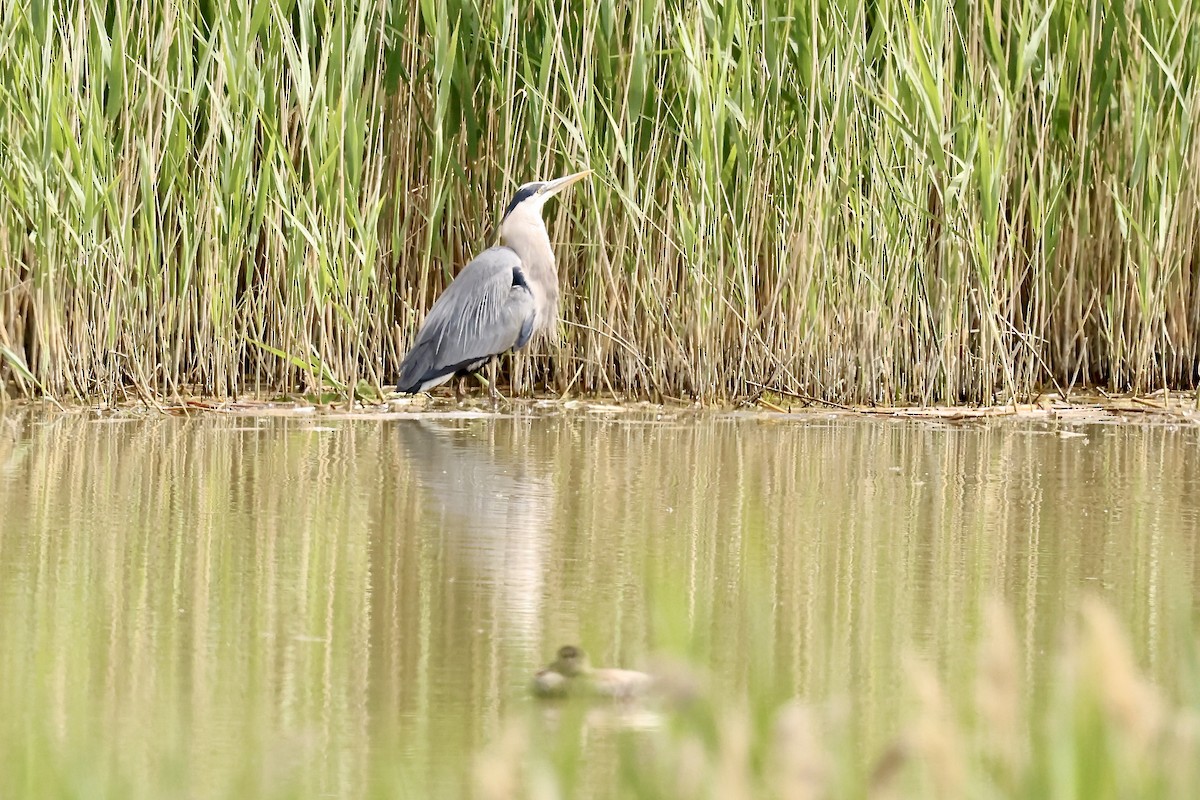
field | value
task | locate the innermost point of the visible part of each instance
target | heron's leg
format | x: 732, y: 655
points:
x: 492, y: 392
x: 460, y: 388
x: 490, y: 382
x: 517, y: 367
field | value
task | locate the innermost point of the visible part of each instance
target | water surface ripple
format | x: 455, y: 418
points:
x: 246, y: 606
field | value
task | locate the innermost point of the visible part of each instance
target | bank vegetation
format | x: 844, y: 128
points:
x: 891, y: 201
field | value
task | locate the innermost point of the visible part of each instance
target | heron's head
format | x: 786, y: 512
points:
x: 530, y: 197
x: 571, y: 662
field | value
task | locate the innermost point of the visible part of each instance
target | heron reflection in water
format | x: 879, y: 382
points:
x: 495, y: 510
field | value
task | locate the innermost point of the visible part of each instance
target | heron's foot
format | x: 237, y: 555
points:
x: 460, y: 389
x: 493, y: 393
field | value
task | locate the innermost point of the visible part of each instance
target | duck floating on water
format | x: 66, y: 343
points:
x: 570, y: 674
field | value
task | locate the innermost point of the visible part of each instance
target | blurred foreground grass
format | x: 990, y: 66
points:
x: 1104, y: 731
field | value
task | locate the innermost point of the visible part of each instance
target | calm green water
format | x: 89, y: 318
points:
x: 319, y: 607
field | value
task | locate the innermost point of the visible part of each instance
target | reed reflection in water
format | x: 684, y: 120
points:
x: 228, y: 606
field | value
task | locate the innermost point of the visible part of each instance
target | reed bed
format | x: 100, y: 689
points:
x: 890, y: 201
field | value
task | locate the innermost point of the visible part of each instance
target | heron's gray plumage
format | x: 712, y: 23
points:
x: 487, y: 310
x: 497, y: 303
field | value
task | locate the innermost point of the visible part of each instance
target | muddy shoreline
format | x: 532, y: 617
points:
x: 1084, y: 407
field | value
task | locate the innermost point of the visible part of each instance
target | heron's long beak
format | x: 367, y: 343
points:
x: 556, y: 186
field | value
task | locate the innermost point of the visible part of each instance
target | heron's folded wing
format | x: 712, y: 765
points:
x: 487, y: 310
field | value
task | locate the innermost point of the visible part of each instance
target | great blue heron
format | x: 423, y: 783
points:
x: 496, y: 304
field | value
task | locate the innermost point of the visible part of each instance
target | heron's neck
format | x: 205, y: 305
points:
x: 524, y: 232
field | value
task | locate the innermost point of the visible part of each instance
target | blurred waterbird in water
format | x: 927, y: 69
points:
x: 497, y: 303
x: 570, y: 674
